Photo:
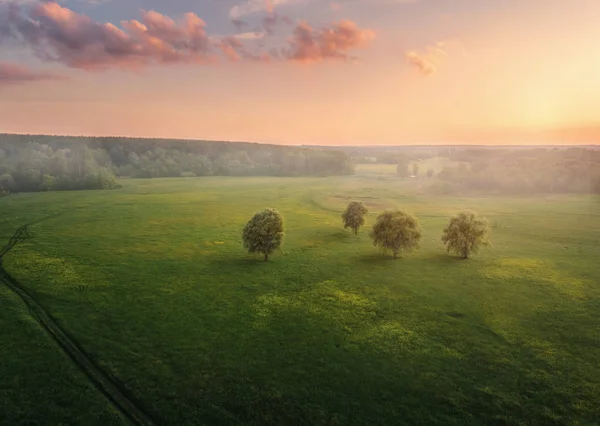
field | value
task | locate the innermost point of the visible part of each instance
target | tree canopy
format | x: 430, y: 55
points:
x: 41, y: 163
x: 354, y: 216
x: 264, y: 233
x: 465, y: 234
x: 31, y: 167
x: 396, y: 231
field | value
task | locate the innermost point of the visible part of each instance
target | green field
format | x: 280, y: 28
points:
x: 388, y: 171
x: 152, y: 283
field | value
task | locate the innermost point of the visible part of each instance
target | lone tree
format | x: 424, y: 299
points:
x: 396, y: 231
x: 354, y: 216
x: 465, y: 234
x: 264, y: 233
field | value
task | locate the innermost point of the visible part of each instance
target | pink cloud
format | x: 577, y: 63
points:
x: 269, y: 6
x: 15, y: 74
x: 331, y: 42
x: 421, y: 63
x: 428, y: 60
x: 273, y: 20
x: 230, y: 46
x: 58, y: 34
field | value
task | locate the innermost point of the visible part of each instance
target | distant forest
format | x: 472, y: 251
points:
x: 42, y: 163
x: 496, y: 170
x: 524, y: 171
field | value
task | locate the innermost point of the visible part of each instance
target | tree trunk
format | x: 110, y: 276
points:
x: 395, y: 255
x: 355, y: 231
x: 266, y: 257
x: 465, y: 254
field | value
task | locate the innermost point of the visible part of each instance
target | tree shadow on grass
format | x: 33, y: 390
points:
x: 241, y: 261
x: 342, y: 236
x: 448, y: 259
x: 245, y: 262
x: 377, y: 258
x: 384, y: 258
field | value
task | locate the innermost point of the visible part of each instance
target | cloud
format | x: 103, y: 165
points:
x: 239, y: 24
x: 421, y: 63
x: 273, y: 20
x: 253, y: 35
x: 428, y: 60
x: 252, y: 6
x: 56, y: 33
x: 230, y: 47
x: 331, y: 42
x: 248, y: 7
x: 16, y: 74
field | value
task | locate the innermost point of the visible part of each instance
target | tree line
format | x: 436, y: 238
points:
x: 515, y: 171
x: 394, y: 231
x: 34, y: 167
x: 42, y: 163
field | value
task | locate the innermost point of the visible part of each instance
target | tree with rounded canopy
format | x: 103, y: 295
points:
x: 354, y: 216
x: 396, y: 231
x: 465, y: 234
x: 264, y: 233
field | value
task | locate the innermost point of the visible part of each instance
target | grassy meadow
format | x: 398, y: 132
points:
x: 152, y: 281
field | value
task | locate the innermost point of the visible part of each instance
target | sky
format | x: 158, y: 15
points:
x: 344, y: 72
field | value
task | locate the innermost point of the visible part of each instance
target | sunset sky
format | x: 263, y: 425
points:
x: 304, y: 71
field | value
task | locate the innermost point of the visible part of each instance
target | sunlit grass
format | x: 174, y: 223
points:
x: 153, y: 281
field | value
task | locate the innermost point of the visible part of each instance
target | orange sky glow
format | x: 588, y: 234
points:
x: 304, y: 72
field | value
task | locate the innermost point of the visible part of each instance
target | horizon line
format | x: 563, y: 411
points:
x: 316, y: 145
